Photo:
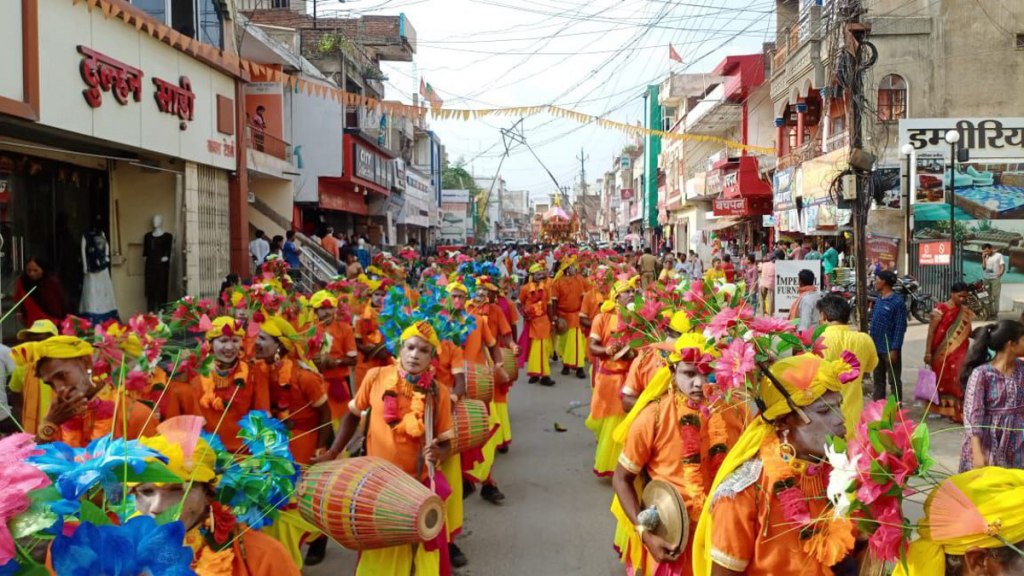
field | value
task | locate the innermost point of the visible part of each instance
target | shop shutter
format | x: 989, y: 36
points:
x: 213, y: 248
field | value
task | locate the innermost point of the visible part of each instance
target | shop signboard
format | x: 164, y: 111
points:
x: 627, y: 193
x: 783, y: 190
x: 817, y: 175
x: 714, y: 183
x: 787, y: 282
x: 454, y: 222
x: 454, y: 197
x: 934, y: 253
x: 984, y: 137
x: 882, y: 251
x: 755, y: 205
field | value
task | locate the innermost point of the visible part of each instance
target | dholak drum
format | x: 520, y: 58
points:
x: 511, y: 363
x: 471, y: 429
x: 367, y: 503
x: 479, y: 382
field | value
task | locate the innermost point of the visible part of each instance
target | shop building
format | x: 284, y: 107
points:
x: 109, y: 119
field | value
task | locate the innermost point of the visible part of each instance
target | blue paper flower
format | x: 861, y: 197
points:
x: 264, y: 435
x: 140, y: 546
x: 75, y: 471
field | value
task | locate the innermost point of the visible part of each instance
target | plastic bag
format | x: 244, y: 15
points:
x: 925, y: 390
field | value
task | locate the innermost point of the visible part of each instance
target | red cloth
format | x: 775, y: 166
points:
x: 47, y: 302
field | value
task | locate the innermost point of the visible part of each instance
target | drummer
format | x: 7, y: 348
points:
x: 606, y: 409
x: 402, y: 398
x: 676, y: 438
x: 499, y: 316
x: 339, y: 352
x: 534, y: 298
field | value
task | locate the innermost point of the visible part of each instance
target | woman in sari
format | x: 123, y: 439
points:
x: 948, y: 338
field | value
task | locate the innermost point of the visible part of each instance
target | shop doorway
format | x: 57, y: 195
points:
x: 46, y: 206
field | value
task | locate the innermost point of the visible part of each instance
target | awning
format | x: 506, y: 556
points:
x: 721, y: 223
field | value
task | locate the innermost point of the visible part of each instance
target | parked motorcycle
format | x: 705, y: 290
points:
x: 978, y: 300
x: 919, y: 304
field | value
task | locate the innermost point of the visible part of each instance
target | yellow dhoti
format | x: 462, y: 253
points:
x: 453, y: 506
x: 399, y: 561
x: 573, y: 348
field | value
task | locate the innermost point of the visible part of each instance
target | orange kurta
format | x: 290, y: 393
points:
x: 385, y: 442
x: 474, y: 351
x: 295, y: 395
x: 343, y: 345
x: 250, y: 396
x: 642, y: 370
x: 141, y: 422
x: 534, y: 298
x: 609, y: 375
x: 367, y: 333
x: 569, y: 292
x: 750, y: 533
x: 497, y: 320
x: 448, y: 363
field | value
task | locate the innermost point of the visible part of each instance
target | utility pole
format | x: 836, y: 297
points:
x: 855, y: 33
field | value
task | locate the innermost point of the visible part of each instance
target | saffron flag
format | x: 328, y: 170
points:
x: 673, y: 55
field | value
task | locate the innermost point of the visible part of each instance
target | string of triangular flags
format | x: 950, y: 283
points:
x: 164, y: 33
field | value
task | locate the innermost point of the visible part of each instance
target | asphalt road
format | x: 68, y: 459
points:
x: 555, y: 517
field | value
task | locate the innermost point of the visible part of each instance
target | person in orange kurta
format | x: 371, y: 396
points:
x: 649, y: 359
x: 369, y: 341
x: 81, y: 410
x: 338, y: 354
x: 250, y: 553
x: 397, y: 397
x: 297, y: 394
x: 503, y: 317
x: 567, y: 294
x: 536, y: 347
x: 227, y: 394
x: 678, y: 439
x: 606, y: 410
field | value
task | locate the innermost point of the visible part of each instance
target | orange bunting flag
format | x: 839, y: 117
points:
x: 673, y: 55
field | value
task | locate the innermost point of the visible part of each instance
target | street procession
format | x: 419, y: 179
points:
x: 533, y: 288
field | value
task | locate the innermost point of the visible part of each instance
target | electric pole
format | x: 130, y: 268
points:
x: 581, y: 202
x: 855, y: 32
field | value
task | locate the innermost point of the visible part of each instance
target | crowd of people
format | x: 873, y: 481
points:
x: 200, y: 428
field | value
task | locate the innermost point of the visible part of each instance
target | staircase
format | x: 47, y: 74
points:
x: 317, y: 266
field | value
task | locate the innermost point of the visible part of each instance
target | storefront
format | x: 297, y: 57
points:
x: 130, y: 121
x: 358, y: 202
x: 414, y: 217
x: 741, y: 199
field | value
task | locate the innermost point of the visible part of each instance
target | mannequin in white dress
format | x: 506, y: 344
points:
x: 98, y: 303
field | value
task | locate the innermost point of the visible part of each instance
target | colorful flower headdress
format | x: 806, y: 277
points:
x: 397, y: 314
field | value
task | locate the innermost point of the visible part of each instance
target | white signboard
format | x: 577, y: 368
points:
x: 455, y: 196
x: 787, y: 283
x: 454, y: 222
x: 985, y: 137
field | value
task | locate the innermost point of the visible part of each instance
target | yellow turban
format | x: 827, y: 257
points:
x: 424, y: 330
x: 373, y: 285
x: 53, y: 347
x: 39, y: 328
x: 323, y: 299
x: 189, y: 457
x: 570, y: 261
x: 456, y: 286
x: 281, y: 330
x: 680, y: 322
x: 536, y: 269
x: 976, y: 509
x: 618, y: 288
x: 806, y: 378
x: 224, y: 325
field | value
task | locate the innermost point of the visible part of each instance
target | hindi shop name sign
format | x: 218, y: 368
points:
x: 787, y: 281
x: 985, y: 137
x: 101, y: 73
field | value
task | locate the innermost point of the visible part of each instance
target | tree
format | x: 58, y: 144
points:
x: 456, y: 177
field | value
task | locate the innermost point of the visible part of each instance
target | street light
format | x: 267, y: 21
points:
x: 908, y: 152
x: 952, y: 136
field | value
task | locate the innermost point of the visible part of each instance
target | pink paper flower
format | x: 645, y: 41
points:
x: 886, y: 542
x: 736, y: 363
x: 17, y: 479
x: 765, y: 325
x: 729, y: 318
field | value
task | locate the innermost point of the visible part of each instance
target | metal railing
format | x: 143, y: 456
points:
x: 258, y: 139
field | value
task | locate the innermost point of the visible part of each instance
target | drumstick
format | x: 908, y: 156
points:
x: 428, y: 419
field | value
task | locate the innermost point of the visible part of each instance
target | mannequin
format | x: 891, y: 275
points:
x: 156, y: 249
x: 98, y: 303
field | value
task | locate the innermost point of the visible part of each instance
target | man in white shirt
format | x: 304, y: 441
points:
x: 258, y: 249
x: 993, y: 266
x: 696, y: 266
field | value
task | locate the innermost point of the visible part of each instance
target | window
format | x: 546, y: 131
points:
x: 279, y: 3
x: 892, y: 98
x: 1020, y: 41
x: 199, y: 19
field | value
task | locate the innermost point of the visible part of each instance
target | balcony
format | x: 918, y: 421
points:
x: 260, y: 141
x: 268, y: 155
x: 714, y: 114
x: 837, y: 141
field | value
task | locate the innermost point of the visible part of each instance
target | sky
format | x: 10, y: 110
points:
x: 594, y: 57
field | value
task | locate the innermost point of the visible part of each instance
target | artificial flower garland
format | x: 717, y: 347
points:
x: 237, y: 376
x: 826, y: 538
x: 693, y: 486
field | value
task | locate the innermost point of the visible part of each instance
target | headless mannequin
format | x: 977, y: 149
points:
x: 98, y: 303
x: 156, y: 249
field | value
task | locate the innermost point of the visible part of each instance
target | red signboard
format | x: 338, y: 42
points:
x: 883, y: 250
x: 627, y: 193
x: 339, y: 195
x: 754, y: 206
x: 934, y: 254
